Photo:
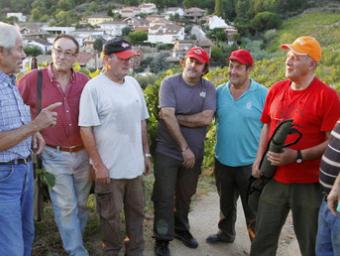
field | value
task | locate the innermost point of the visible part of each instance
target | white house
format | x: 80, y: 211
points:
x: 147, y: 8
x: 128, y: 11
x: 166, y: 33
x: 82, y: 34
x: 216, y: 22
x: 172, y: 11
x: 113, y: 28
x: 137, y: 23
x: 19, y: 15
x: 58, y: 30
x: 43, y: 45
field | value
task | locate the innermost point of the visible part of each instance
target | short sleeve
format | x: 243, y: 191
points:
x: 88, y: 113
x: 265, y: 116
x: 210, y: 102
x: 167, y: 96
x: 144, y: 109
x: 331, y: 111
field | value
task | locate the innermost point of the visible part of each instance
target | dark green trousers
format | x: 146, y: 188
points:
x: 275, y: 202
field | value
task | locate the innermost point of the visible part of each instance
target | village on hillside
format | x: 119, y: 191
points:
x: 169, y: 33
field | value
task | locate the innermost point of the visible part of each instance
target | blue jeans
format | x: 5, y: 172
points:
x: 328, y: 238
x: 16, y: 209
x: 69, y: 195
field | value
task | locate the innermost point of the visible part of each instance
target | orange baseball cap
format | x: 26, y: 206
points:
x: 305, y: 45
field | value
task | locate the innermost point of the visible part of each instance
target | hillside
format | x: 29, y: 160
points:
x: 323, y: 25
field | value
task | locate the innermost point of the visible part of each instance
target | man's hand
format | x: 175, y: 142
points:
x: 188, y: 158
x: 102, y: 174
x: 287, y: 156
x: 148, y: 165
x: 256, y: 169
x: 47, y: 117
x: 38, y: 143
x: 332, y: 201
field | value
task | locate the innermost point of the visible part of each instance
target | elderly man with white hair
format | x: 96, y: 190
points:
x: 19, y: 136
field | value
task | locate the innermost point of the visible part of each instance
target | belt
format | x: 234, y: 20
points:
x: 18, y: 161
x: 67, y: 149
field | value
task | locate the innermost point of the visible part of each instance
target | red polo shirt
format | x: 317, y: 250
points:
x: 66, y: 132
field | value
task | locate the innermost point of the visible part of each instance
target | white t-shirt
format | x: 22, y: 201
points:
x: 115, y: 112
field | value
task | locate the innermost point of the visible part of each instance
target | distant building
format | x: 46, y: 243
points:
x: 113, y: 28
x: 147, y: 8
x: 231, y: 32
x: 58, y: 30
x: 166, y: 33
x: 172, y: 11
x: 19, y: 15
x: 33, y: 30
x: 97, y: 19
x: 194, y: 13
x: 137, y: 23
x: 216, y: 22
x: 42, y: 44
x: 182, y: 46
x: 128, y: 11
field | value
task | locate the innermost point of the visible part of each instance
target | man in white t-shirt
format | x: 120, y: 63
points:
x: 113, y: 128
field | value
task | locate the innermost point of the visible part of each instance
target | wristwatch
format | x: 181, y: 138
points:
x: 299, y: 158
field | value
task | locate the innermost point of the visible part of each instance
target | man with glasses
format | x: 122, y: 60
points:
x: 64, y: 155
x: 113, y: 128
x: 18, y: 137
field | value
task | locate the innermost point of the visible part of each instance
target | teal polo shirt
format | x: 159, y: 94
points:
x: 238, y: 124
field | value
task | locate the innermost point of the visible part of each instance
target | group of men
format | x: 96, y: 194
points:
x: 97, y: 129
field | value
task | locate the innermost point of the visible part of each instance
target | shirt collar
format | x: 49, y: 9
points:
x: 252, y: 86
x: 51, y: 75
x: 7, y: 79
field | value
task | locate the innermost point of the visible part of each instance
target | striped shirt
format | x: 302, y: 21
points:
x: 330, y: 162
x: 13, y: 114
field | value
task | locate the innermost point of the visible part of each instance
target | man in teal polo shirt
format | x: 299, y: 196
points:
x: 239, y: 106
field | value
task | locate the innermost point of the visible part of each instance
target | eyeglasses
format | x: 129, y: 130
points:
x: 67, y: 54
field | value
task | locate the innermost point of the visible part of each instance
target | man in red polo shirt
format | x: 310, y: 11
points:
x: 64, y: 155
x: 315, y: 108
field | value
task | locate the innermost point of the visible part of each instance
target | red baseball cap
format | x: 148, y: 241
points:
x: 242, y: 56
x: 198, y: 54
x: 121, y: 48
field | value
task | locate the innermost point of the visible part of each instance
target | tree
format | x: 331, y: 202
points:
x: 98, y: 44
x: 242, y: 9
x: 126, y: 31
x: 217, y: 34
x: 137, y: 37
x: 264, y: 21
x: 65, y: 5
x: 218, y: 8
x: 65, y: 18
x: 32, y: 50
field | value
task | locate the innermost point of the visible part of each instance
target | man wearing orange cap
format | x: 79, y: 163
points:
x: 240, y: 103
x: 315, y: 108
x: 113, y: 128
x: 187, y: 103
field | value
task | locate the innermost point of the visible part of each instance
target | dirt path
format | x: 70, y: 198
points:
x: 203, y: 219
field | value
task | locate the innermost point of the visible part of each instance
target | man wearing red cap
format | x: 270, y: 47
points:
x: 187, y: 103
x: 113, y: 128
x: 314, y: 108
x: 240, y: 103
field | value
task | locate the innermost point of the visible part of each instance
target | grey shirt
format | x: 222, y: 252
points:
x: 186, y: 100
